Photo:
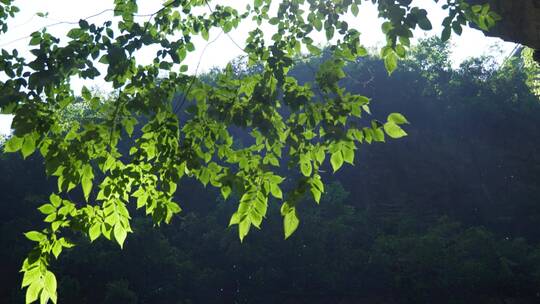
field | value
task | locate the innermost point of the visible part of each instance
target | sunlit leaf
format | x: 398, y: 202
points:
x: 336, y: 160
x: 120, y: 234
x: 393, y: 130
x: 290, y: 223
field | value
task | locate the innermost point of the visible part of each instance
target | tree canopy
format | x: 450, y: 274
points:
x: 447, y: 215
x: 136, y: 146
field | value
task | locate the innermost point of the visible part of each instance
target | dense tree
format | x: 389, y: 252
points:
x: 308, y: 122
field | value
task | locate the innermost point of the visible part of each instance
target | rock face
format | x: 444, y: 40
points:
x: 520, y: 23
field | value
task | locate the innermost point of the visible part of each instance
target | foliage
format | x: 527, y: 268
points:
x: 532, y: 69
x: 87, y: 156
x: 449, y: 215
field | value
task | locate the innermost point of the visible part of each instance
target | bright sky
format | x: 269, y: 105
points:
x: 470, y: 43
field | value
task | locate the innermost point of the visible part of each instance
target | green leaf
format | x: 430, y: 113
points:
x: 47, y: 209
x: 425, y: 24
x: 329, y: 32
x: 243, y: 228
x: 106, y: 230
x: 55, y: 200
x: 390, y: 62
x: 32, y: 293
x: 368, y: 135
x: 405, y: 41
x: 44, y: 297
x: 348, y: 155
x: 235, y: 219
x: 446, y: 34
x: 400, y: 51
x: 29, y: 146
x: 276, y: 191
x: 225, y: 191
x: 317, y: 23
x: 35, y: 236
x: 142, y: 199
x: 457, y: 28
x: 86, y: 180
x: 378, y: 134
x: 120, y: 234
x: 85, y: 93
x: 387, y: 27
x: 485, y: 8
x: 14, y: 144
x: 104, y: 59
x: 336, y: 160
x: 313, y: 49
x: 285, y: 208
x: 255, y: 219
x: 55, y: 225
x: 87, y: 187
x: 354, y: 9
x: 320, y: 155
x: 393, y: 130
x: 35, y: 40
x: 366, y: 108
x: 397, y: 118
x: 57, y: 249
x: 306, y: 168
x: 94, y: 232
x: 75, y: 33
x: 317, y: 182
x: 316, y: 194
x: 31, y: 276
x: 290, y: 222
x: 66, y: 244
x: 204, y: 34
x: 50, y: 283
x: 129, y: 125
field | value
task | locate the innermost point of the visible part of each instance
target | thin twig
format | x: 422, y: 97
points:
x: 234, y: 42
x: 77, y: 22
x: 184, y: 97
